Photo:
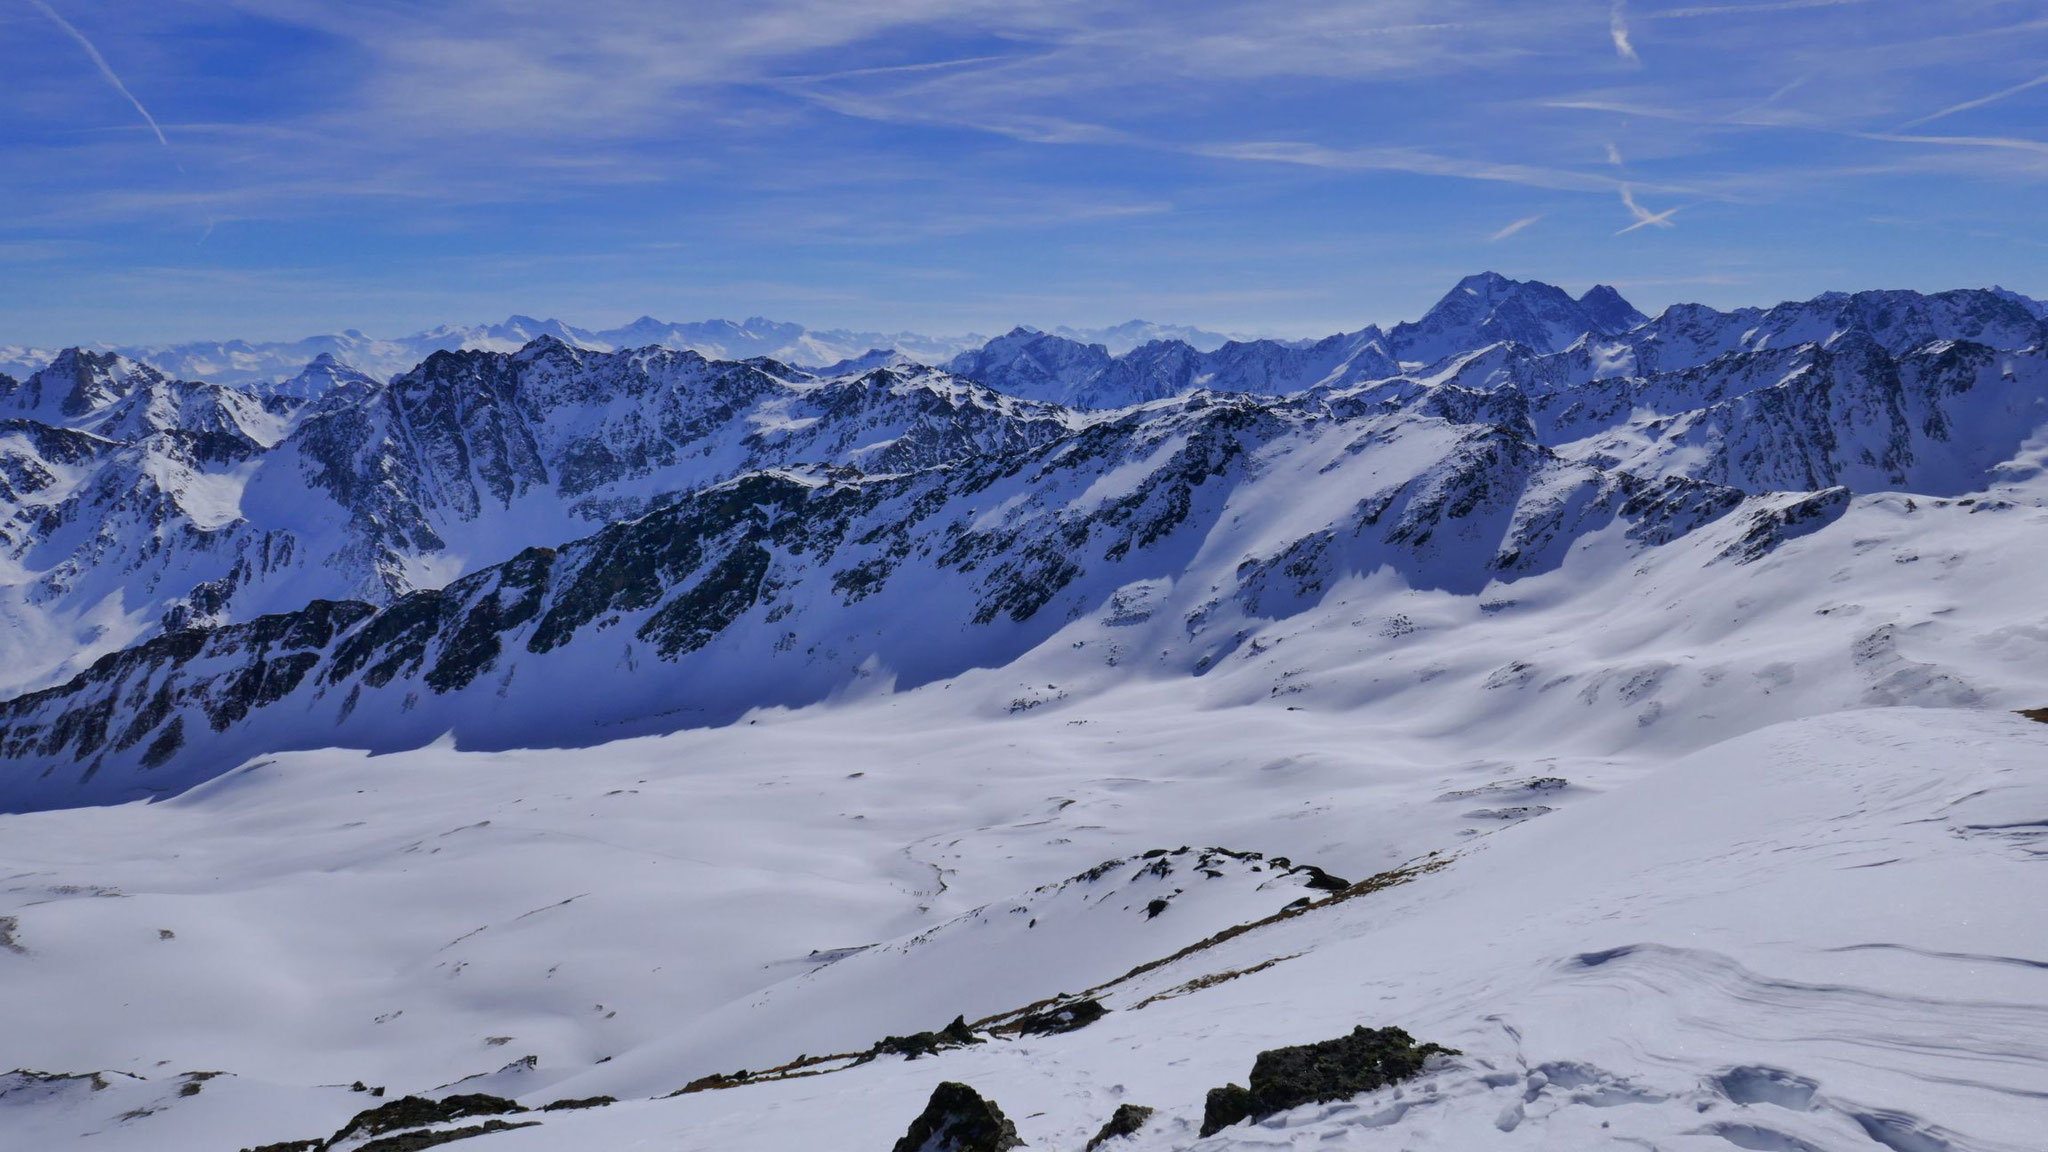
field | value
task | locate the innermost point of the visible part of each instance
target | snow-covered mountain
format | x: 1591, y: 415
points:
x: 1121, y: 338
x: 259, y: 365
x: 1490, y: 309
x: 752, y: 523
x: 228, y: 506
x: 1039, y: 365
x: 1481, y: 310
x: 322, y: 376
x: 137, y: 502
x: 1623, y: 702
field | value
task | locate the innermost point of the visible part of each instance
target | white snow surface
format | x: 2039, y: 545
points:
x: 1680, y: 899
x: 1806, y: 933
x: 1684, y: 845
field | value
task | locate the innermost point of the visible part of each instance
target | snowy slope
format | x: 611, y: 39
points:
x: 1794, y: 933
x: 1633, y: 714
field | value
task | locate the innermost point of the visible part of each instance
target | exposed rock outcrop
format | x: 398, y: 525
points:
x: 1125, y: 1121
x: 1284, y: 1078
x: 958, y: 1119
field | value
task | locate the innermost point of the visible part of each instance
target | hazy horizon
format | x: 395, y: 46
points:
x: 272, y: 168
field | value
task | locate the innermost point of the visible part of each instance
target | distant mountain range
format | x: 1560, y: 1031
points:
x: 257, y: 363
x: 382, y: 560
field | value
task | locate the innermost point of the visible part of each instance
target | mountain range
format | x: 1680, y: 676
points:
x: 379, y: 563
x: 1617, y: 731
x: 262, y: 365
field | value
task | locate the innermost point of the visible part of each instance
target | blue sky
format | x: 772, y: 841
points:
x: 175, y: 169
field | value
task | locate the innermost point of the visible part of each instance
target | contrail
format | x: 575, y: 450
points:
x: 1644, y: 217
x: 101, y: 62
x: 1513, y: 228
x: 1979, y: 102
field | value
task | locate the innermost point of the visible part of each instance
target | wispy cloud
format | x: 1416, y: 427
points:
x: 895, y: 69
x: 1023, y: 146
x: 1979, y: 102
x: 1767, y: 6
x: 1644, y: 217
x: 1762, y: 111
x: 1513, y: 228
x: 1617, y: 27
x: 1411, y: 160
x: 2012, y: 143
x: 100, y: 62
x: 1625, y: 108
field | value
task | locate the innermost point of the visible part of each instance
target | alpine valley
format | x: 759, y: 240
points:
x: 542, y: 738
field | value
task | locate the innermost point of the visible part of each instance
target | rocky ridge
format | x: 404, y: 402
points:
x: 385, y: 562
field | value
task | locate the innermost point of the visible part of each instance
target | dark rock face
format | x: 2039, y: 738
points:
x: 954, y: 1035
x: 416, y: 1141
x: 1789, y: 519
x: 1322, y: 881
x: 959, y: 1120
x: 418, y: 1111
x: 1284, y: 1078
x: 581, y: 1102
x: 1126, y: 1121
x: 1064, y: 1018
x: 389, y: 1125
x: 1226, y: 1106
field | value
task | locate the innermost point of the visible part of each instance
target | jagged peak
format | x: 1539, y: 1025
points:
x: 1487, y: 289
x: 1610, y: 309
x: 79, y: 358
x: 1483, y: 281
x: 547, y: 344
x: 92, y: 379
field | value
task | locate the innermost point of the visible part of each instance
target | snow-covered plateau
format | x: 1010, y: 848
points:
x: 1648, y: 709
